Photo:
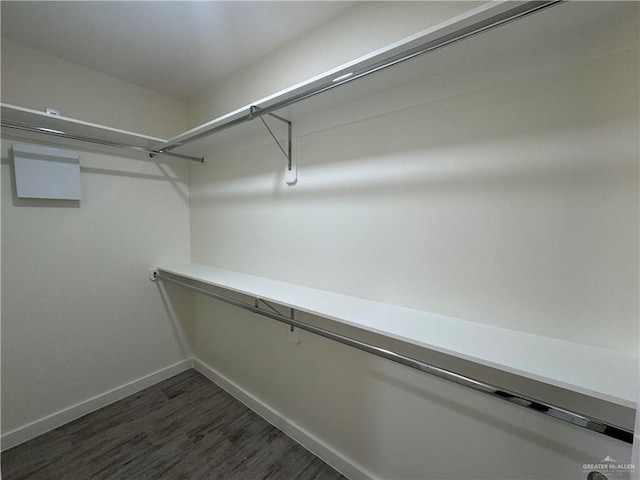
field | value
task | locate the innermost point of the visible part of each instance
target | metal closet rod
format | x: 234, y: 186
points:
x: 481, y: 26
x: 580, y: 420
x: 57, y: 133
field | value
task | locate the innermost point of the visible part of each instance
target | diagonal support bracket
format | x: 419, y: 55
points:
x: 291, y: 172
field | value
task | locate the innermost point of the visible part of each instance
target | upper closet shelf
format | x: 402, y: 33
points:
x: 540, y: 38
x: 32, y: 124
x: 592, y: 371
x: 468, y: 24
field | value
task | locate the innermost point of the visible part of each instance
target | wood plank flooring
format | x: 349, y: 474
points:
x: 183, y: 428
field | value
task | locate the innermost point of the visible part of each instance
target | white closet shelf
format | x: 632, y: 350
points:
x: 73, y: 126
x: 547, y: 29
x: 550, y: 32
x: 29, y: 124
x: 294, y: 100
x: 597, y: 372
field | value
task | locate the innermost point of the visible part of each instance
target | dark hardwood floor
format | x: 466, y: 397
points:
x: 183, y: 428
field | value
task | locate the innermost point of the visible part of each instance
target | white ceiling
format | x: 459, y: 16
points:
x: 178, y: 48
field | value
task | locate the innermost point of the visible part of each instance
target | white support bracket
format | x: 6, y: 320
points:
x: 291, y: 171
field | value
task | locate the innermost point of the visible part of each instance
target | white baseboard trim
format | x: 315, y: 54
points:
x: 345, y: 466
x: 43, y: 425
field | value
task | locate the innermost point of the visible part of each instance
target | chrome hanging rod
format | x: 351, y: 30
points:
x: 57, y: 133
x: 580, y: 420
x: 481, y: 26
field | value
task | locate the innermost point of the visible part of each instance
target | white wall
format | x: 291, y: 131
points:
x: 505, y: 193
x: 79, y: 315
x: 34, y: 79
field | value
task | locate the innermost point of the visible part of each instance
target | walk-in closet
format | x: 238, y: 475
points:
x: 320, y: 240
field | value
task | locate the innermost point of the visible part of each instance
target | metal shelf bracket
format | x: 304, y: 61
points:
x: 291, y: 171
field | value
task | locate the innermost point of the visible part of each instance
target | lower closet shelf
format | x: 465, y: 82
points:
x: 576, y: 367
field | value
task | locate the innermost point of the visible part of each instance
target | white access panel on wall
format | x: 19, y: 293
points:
x: 44, y: 172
